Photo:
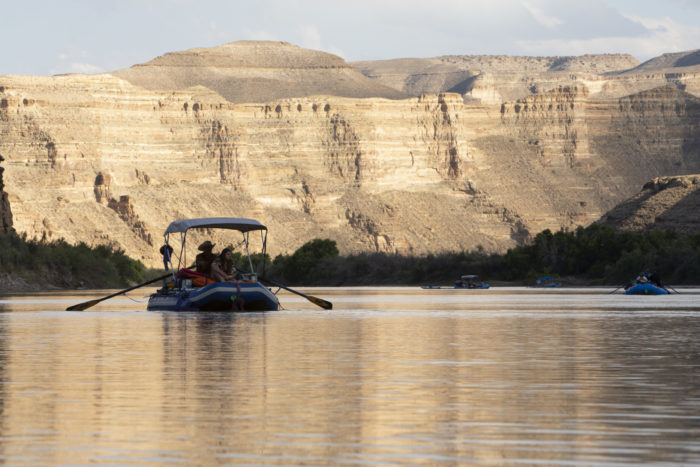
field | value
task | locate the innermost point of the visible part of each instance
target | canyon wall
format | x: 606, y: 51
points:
x: 98, y: 159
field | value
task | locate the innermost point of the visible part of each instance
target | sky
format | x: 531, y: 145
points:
x: 46, y: 37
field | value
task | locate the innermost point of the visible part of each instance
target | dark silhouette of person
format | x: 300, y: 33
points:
x: 204, y: 259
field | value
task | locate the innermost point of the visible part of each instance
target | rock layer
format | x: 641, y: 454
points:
x: 96, y: 158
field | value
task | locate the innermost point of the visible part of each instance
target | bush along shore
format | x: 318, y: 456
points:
x: 594, y: 255
x: 33, y: 265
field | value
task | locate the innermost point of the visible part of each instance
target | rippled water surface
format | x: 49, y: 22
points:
x: 390, y: 376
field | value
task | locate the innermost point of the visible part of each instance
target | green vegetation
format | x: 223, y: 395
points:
x: 58, y: 264
x: 594, y: 255
x: 603, y: 255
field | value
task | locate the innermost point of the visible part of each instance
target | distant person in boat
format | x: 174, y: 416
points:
x: 205, y: 259
x: 643, y: 276
x: 649, y: 277
x: 222, y: 269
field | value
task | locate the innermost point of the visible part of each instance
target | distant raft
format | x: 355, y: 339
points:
x: 470, y: 281
x: 546, y: 282
x: 646, y: 288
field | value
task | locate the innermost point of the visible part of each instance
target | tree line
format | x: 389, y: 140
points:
x: 593, y: 255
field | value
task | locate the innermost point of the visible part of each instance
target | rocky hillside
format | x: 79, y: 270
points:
x: 493, y: 79
x: 679, y: 62
x: 460, y: 73
x: 665, y: 203
x: 256, y: 72
x: 113, y: 158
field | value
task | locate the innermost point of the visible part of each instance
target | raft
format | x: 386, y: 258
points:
x: 646, y: 288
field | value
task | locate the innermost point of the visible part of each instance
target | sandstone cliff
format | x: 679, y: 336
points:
x: 665, y: 203
x: 113, y: 159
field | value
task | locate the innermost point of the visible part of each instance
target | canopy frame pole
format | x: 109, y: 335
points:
x: 246, y: 236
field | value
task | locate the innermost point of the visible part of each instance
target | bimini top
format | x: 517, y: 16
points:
x: 233, y: 223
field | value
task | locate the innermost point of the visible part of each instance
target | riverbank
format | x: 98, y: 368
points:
x: 592, y: 256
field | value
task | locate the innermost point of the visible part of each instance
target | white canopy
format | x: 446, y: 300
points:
x: 233, y: 223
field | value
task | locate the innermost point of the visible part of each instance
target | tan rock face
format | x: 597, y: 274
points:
x: 101, y: 160
x: 664, y: 203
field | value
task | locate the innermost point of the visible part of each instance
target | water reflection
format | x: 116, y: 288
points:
x: 392, y: 375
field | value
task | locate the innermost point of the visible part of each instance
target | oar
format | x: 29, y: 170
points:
x: 669, y: 287
x: 326, y: 305
x: 617, y: 289
x: 88, y: 304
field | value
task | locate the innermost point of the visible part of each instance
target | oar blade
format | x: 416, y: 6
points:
x: 326, y: 305
x: 83, y: 306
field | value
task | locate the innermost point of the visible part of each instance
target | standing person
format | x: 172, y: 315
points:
x: 204, y: 259
x: 222, y: 269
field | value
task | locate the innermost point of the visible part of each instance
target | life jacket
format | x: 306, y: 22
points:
x: 198, y: 279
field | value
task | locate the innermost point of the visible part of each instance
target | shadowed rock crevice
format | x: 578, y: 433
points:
x: 5, y: 208
x: 343, y: 150
x: 439, y: 127
x: 125, y: 209
x: 221, y: 149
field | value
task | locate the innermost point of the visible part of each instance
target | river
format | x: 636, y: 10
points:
x: 390, y: 376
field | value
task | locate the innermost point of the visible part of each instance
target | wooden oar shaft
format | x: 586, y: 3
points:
x: 89, y: 303
x: 325, y: 304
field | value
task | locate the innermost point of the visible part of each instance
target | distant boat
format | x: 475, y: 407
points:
x: 470, y: 281
x: 646, y: 288
x: 546, y: 281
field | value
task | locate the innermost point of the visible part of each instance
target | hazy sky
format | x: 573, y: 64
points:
x: 44, y: 37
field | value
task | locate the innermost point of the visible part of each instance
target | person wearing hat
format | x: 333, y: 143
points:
x: 204, y: 259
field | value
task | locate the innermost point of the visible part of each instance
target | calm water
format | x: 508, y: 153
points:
x: 391, y: 376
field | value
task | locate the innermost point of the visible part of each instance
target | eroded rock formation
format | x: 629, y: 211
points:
x: 97, y: 158
x: 664, y: 203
